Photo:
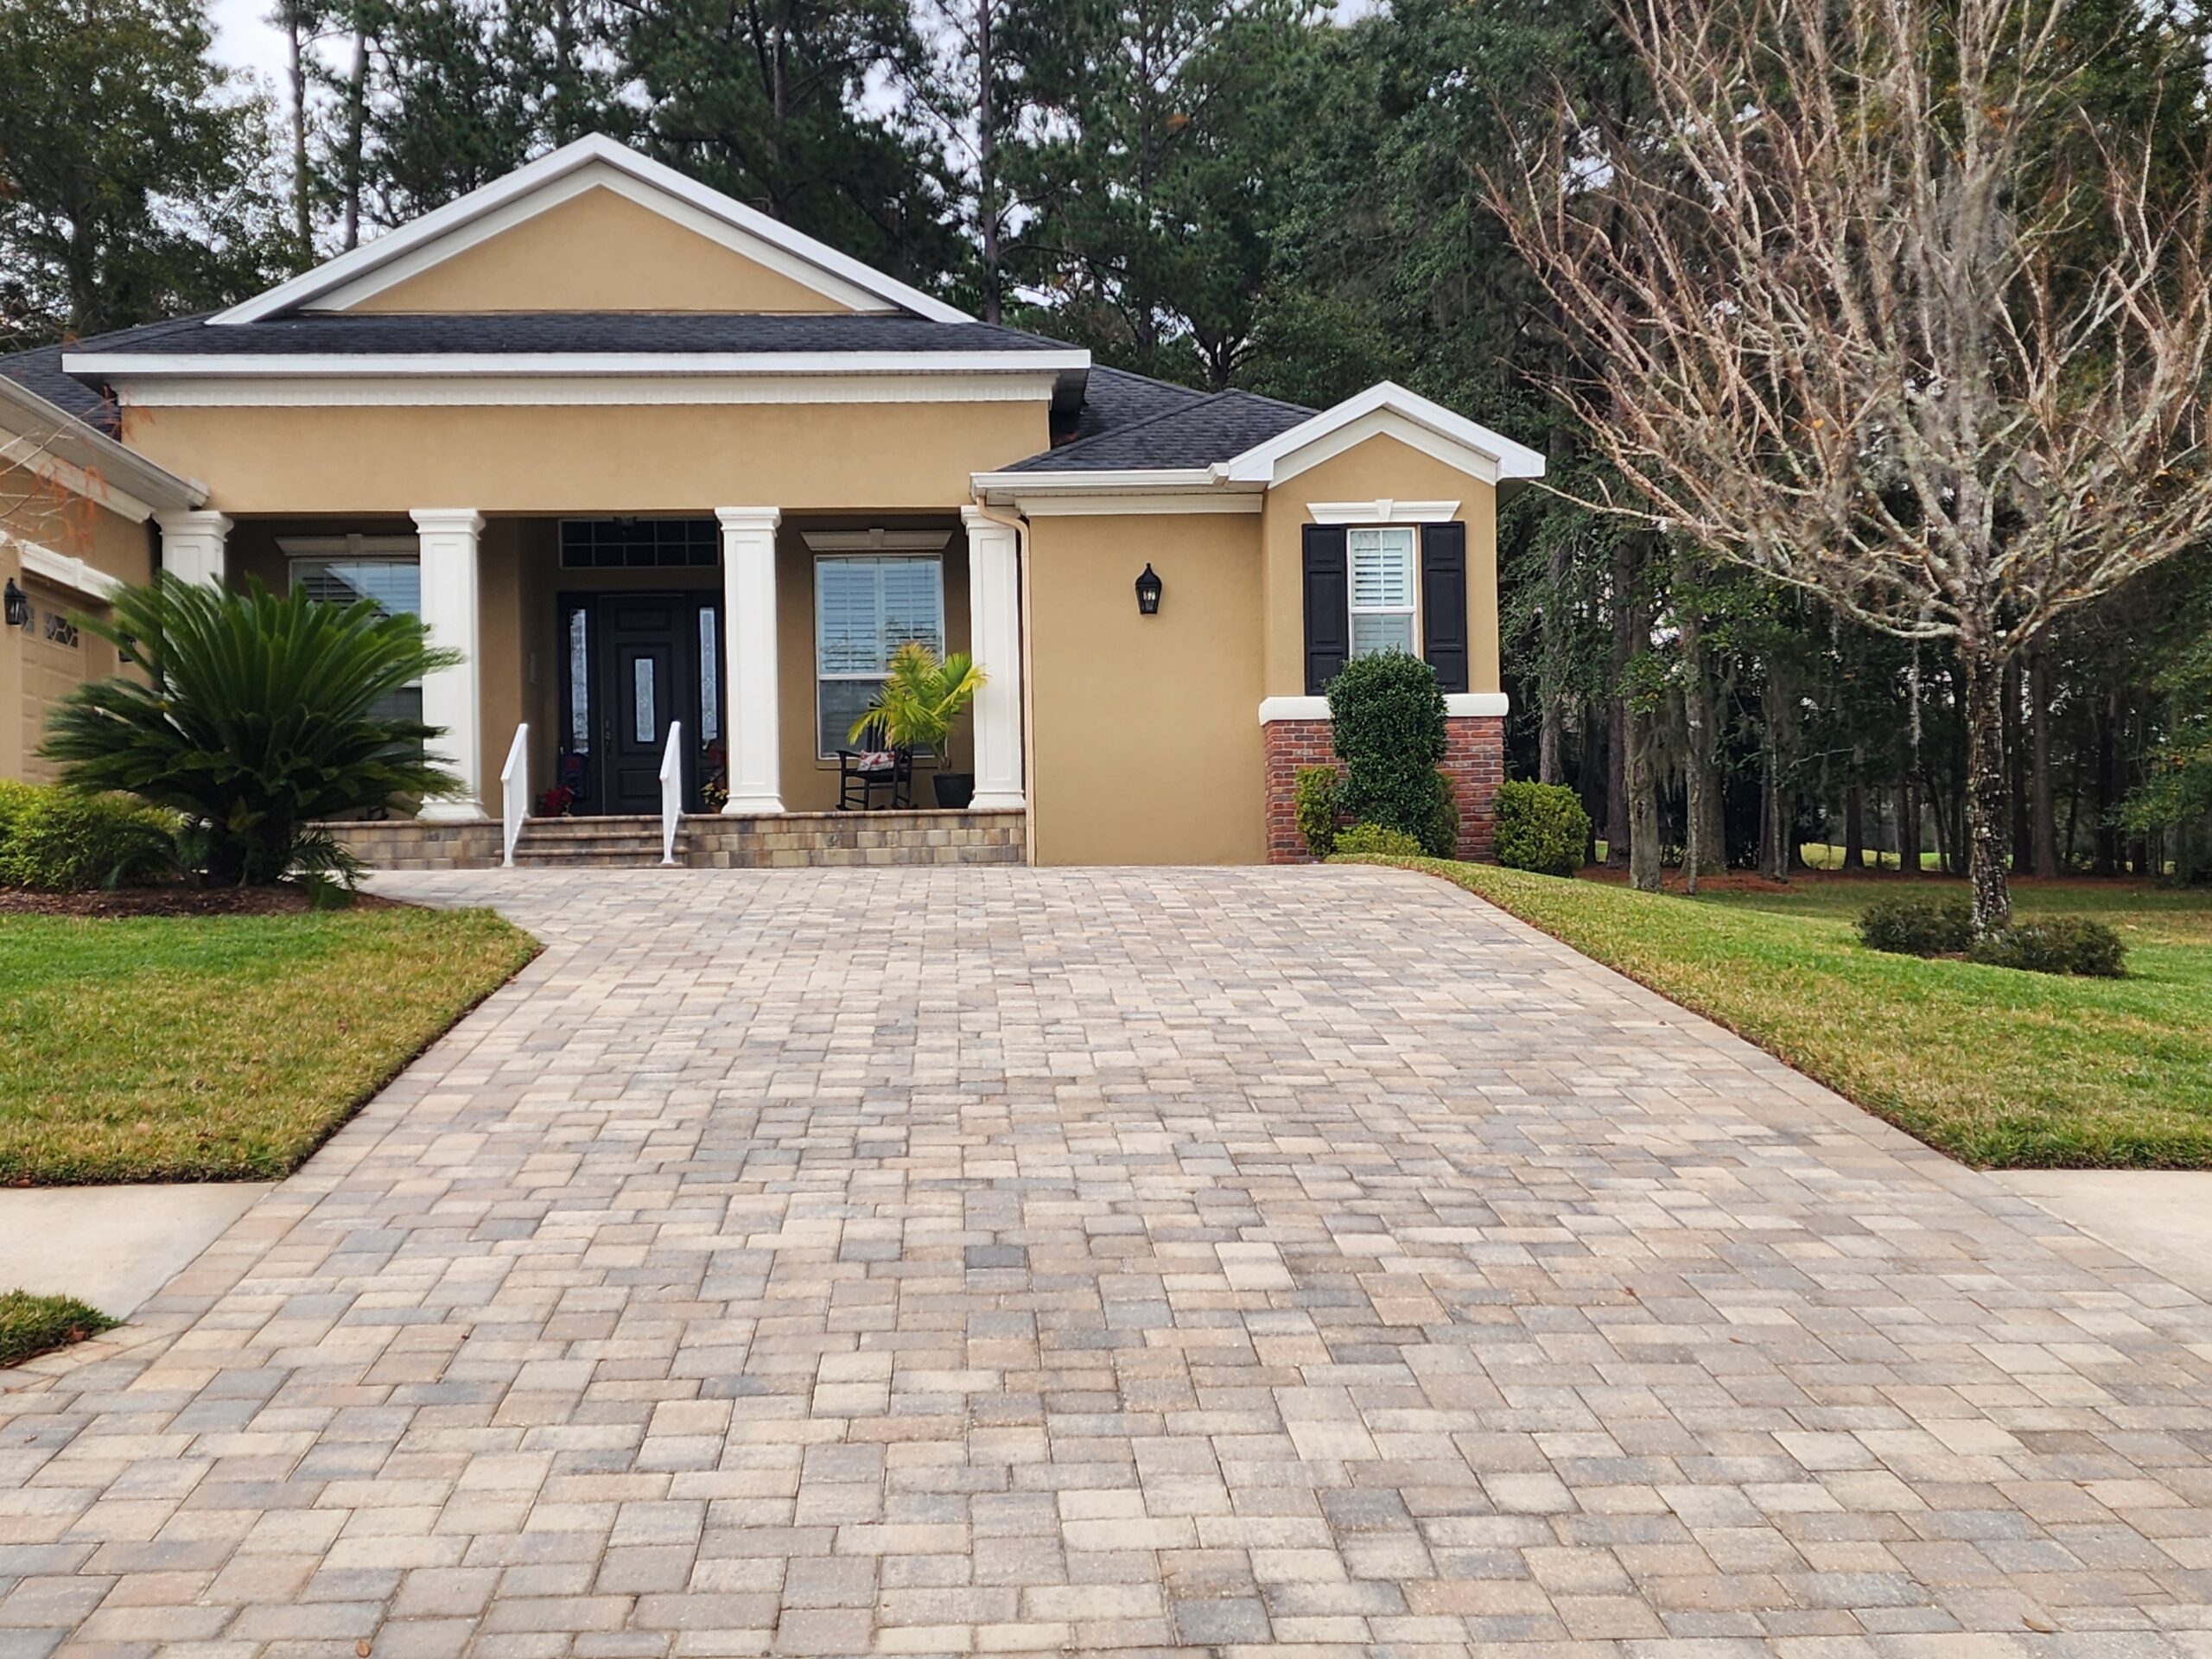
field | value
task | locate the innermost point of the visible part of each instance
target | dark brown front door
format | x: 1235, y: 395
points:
x: 639, y: 670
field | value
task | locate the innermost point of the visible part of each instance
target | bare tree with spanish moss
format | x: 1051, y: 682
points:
x: 1872, y: 302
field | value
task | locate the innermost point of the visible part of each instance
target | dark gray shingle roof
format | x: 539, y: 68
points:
x: 39, y: 373
x: 644, y: 332
x: 1198, y: 433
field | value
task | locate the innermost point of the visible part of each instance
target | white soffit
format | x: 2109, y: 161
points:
x: 1387, y: 409
x: 592, y: 162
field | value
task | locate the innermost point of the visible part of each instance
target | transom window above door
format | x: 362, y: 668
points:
x: 640, y: 543
x: 865, y: 609
x: 1383, y: 583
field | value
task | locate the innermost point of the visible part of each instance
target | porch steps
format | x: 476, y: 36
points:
x: 621, y: 842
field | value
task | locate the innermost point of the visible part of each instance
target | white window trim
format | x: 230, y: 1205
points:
x: 1354, y: 610
x: 1381, y: 511
x: 936, y: 560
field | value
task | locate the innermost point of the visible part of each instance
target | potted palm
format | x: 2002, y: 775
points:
x: 921, y: 699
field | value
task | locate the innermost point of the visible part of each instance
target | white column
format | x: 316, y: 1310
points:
x: 452, y: 697
x: 995, y: 636
x: 192, y: 545
x: 756, y: 774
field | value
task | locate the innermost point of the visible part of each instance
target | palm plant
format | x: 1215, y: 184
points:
x: 921, y: 698
x: 256, y: 717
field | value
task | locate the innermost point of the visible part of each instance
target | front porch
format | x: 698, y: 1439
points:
x: 723, y: 656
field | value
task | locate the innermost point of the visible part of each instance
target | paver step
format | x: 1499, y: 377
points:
x: 623, y: 840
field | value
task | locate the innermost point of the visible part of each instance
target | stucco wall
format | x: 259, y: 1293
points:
x: 687, y: 458
x: 1382, y: 467
x: 599, y: 252
x: 1146, y: 746
x: 35, y: 672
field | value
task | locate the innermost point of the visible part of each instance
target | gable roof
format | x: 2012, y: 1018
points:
x: 1387, y: 408
x: 1195, y: 432
x: 594, y: 161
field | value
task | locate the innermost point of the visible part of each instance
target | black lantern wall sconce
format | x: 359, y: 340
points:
x: 19, y: 605
x: 1148, y: 587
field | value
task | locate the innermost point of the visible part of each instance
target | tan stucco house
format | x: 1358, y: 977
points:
x: 646, y: 457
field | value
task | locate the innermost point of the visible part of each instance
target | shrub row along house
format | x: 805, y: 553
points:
x: 677, y: 481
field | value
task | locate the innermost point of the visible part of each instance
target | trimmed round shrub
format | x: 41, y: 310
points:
x: 1378, y: 841
x: 2060, y: 945
x: 1316, y: 809
x: 1542, y: 827
x: 1917, y: 926
x: 57, y: 840
x: 1386, y: 719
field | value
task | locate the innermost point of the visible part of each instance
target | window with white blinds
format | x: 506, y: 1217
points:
x: 1383, y: 583
x: 864, y: 610
x: 395, y: 586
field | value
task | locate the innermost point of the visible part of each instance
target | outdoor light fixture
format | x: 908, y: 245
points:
x: 19, y: 605
x: 1148, y: 593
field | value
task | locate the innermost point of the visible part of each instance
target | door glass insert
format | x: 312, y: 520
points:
x: 642, y: 677
x: 580, y: 681
x: 710, y: 679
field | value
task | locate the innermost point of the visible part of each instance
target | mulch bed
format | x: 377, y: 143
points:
x: 286, y: 900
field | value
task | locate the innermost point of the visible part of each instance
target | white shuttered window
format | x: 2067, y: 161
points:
x: 864, y: 610
x: 1383, y: 589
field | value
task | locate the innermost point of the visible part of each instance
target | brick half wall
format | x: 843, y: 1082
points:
x: 1474, y: 760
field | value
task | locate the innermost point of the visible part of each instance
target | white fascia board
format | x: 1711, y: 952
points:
x: 606, y: 390
x: 160, y: 366
x: 1382, y: 511
x: 594, y: 149
x: 61, y: 569
x: 1489, y: 455
x: 1458, y: 705
x: 1132, y: 490
x: 79, y: 458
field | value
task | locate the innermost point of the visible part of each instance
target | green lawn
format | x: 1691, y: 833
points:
x: 220, y: 1048
x: 1999, y: 1068
x: 30, y: 1324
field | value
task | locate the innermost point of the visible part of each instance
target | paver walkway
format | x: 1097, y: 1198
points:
x: 969, y: 1260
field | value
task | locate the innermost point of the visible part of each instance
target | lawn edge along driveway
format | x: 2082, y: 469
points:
x: 1997, y: 1067
x: 221, y: 1048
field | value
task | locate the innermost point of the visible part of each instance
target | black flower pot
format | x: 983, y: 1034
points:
x: 954, y: 789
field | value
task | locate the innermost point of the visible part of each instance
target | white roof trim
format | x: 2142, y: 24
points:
x: 816, y: 263
x: 166, y: 365
x: 1386, y: 408
x: 1383, y: 510
x: 61, y: 569
x: 1126, y: 481
x: 51, y: 443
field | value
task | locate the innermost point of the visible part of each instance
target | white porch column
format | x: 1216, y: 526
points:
x: 756, y: 774
x: 452, y: 697
x: 994, y: 634
x: 192, y: 545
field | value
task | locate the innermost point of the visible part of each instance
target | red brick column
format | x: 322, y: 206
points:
x: 1291, y: 744
x: 1474, y: 760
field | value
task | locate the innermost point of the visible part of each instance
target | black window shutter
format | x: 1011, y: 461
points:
x: 1328, y: 607
x: 1444, y: 603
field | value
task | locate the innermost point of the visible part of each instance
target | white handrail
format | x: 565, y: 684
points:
x: 672, y: 790
x: 514, y: 792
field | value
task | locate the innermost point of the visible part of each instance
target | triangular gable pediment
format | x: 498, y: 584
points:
x: 1386, y: 410
x: 593, y: 226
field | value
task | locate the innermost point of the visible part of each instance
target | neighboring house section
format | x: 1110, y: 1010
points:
x: 646, y: 457
x: 74, y: 512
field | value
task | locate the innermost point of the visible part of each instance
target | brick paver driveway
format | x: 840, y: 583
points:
x: 966, y: 1260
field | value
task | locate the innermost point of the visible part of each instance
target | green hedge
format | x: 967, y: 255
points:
x: 58, y: 840
x: 1376, y: 841
x: 1385, y: 719
x: 1542, y: 827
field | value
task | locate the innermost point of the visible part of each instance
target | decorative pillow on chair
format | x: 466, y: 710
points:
x: 878, y: 760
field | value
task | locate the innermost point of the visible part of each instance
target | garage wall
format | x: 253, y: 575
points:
x: 1145, y: 743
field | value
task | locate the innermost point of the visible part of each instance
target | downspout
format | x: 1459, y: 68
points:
x: 1019, y: 526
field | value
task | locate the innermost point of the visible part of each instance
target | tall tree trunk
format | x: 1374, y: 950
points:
x: 1854, y: 819
x: 2108, y: 740
x: 1909, y: 824
x: 1704, y: 838
x: 1620, y: 833
x: 1643, y: 837
x: 1551, y: 675
x: 357, y: 116
x: 296, y: 24
x: 2043, y: 804
x: 2019, y: 841
x: 987, y: 162
x: 1989, y: 795
x: 1774, y: 825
